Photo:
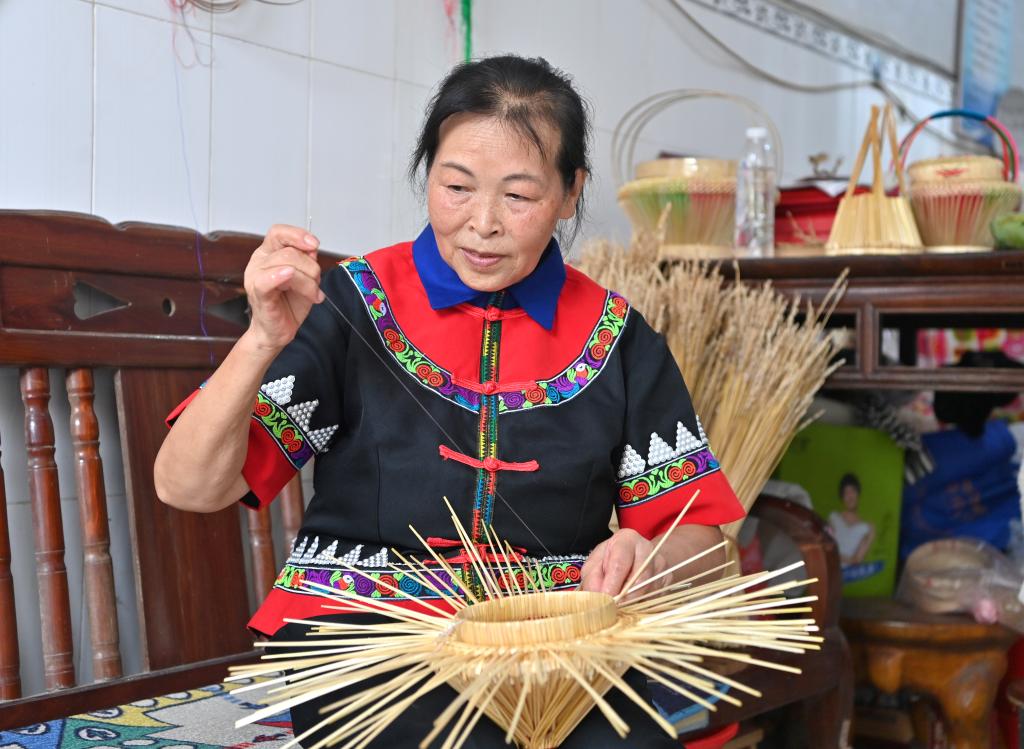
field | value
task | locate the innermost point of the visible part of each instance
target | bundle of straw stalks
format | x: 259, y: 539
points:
x: 752, y: 366
x: 535, y: 662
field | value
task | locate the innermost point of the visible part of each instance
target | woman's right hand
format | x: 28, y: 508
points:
x: 282, y: 281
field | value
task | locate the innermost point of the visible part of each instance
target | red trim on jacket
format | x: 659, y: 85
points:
x: 451, y: 337
x: 716, y: 505
x: 265, y: 470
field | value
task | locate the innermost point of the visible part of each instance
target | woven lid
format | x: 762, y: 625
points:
x: 956, y: 169
x: 688, y: 167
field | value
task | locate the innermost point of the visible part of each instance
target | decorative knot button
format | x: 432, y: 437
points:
x: 491, y: 464
x: 492, y: 314
x: 490, y: 387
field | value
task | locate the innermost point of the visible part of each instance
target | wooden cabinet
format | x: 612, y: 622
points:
x: 904, y: 294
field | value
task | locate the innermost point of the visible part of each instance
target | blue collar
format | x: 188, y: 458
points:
x: 537, y: 294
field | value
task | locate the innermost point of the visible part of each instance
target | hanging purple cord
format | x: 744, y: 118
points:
x: 192, y: 208
x: 202, y: 291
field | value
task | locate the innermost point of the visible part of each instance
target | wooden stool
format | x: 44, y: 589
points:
x: 950, y: 658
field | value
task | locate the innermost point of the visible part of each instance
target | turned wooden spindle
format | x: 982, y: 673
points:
x: 10, y: 682
x: 261, y: 542
x: 292, y: 509
x: 98, y: 571
x: 44, y: 490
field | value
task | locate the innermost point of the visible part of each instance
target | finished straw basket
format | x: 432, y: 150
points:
x: 956, y: 198
x: 699, y: 194
x: 702, y: 196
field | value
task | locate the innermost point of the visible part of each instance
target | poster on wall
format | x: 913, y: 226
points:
x: 985, y: 61
x: 855, y: 479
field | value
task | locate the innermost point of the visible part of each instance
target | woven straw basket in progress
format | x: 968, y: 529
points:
x: 535, y: 662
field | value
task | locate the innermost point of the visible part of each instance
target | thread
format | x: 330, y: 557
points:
x: 192, y: 208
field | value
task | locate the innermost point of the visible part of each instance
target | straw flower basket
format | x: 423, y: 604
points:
x: 699, y: 194
x: 955, y: 199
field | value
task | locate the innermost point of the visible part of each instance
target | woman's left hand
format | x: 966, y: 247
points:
x: 613, y: 563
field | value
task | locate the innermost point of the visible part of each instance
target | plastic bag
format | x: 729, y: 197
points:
x: 964, y: 575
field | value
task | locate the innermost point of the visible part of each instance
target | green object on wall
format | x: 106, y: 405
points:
x: 866, y: 466
x: 467, y: 28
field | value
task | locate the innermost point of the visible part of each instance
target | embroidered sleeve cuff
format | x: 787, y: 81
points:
x: 278, y: 448
x: 649, y: 502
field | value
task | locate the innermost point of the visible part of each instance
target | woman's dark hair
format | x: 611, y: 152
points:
x: 522, y: 93
x: 849, y: 479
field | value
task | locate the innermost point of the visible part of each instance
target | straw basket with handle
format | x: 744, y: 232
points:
x: 956, y: 198
x: 873, y: 222
x: 701, y: 192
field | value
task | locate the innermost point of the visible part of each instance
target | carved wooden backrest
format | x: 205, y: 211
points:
x: 161, y: 306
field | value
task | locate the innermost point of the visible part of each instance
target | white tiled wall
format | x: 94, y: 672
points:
x: 152, y: 157
x: 274, y: 113
x: 46, y: 120
x: 130, y: 110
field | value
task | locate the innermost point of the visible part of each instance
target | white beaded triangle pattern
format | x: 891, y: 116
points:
x: 304, y: 554
x: 280, y: 391
x: 298, y: 550
x: 302, y: 412
x: 321, y: 437
x: 700, y: 432
x: 631, y: 464
x: 685, y: 441
x: 661, y: 452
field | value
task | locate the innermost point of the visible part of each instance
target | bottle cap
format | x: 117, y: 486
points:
x: 757, y: 132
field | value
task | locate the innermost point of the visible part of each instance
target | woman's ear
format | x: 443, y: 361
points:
x: 572, y: 195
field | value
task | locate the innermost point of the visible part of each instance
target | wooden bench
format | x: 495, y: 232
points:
x: 174, y: 306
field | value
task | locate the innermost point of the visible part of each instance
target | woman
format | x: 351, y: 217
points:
x: 470, y: 363
x: 853, y: 534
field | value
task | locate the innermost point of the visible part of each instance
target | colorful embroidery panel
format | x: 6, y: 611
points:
x: 551, y: 392
x: 664, y: 478
x: 556, y: 573
x: 283, y: 429
x: 412, y: 360
x: 583, y: 371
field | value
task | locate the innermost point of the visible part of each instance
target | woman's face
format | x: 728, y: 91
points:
x: 851, y: 497
x: 494, y: 200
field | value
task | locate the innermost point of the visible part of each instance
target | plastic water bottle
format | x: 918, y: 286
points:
x: 755, y: 197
